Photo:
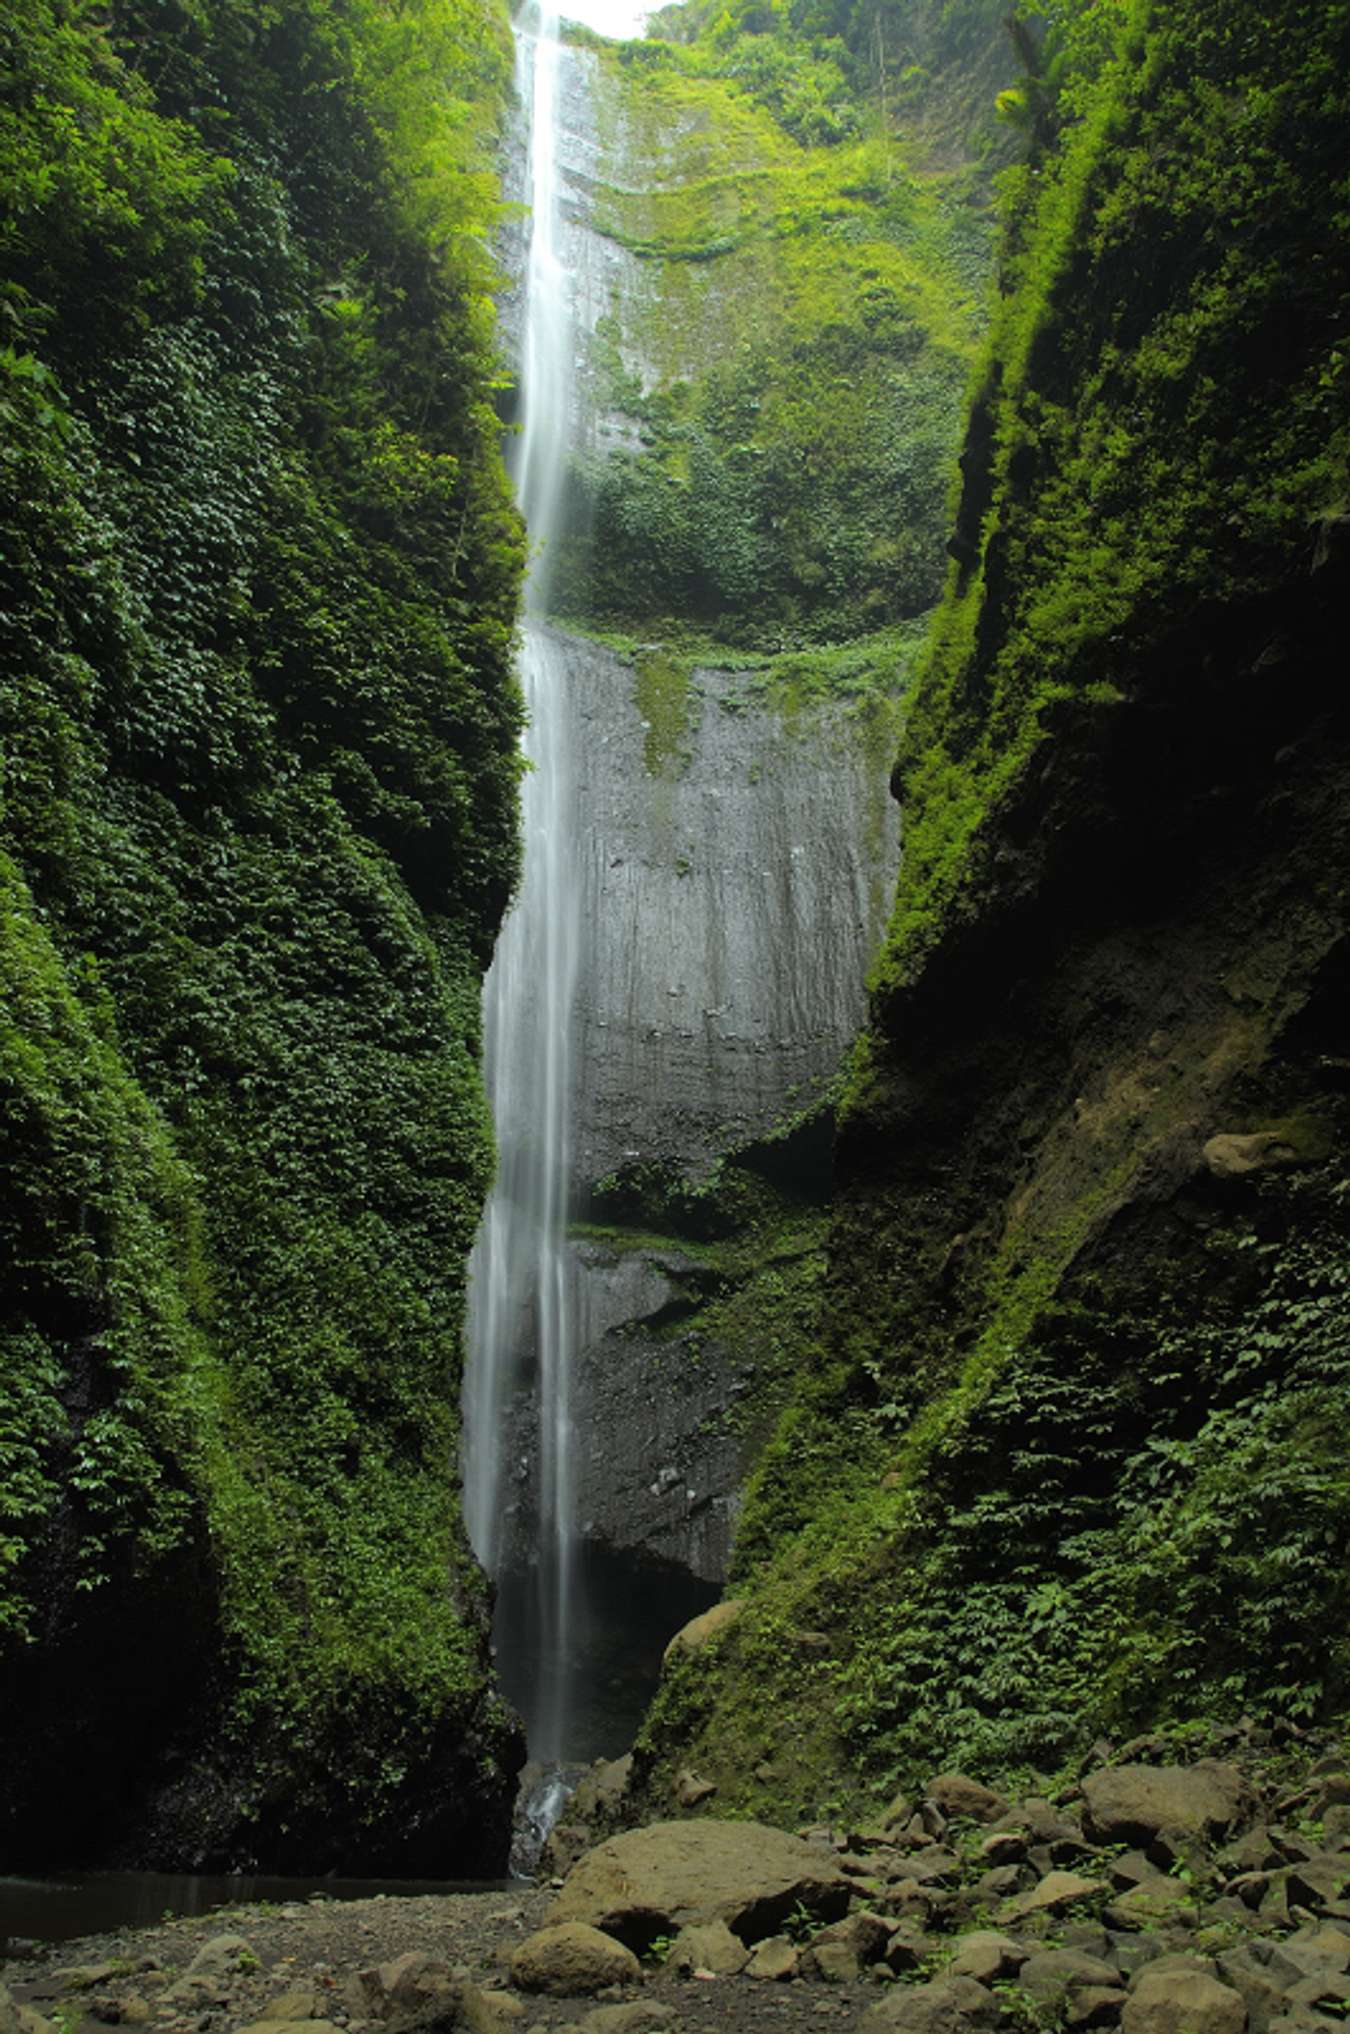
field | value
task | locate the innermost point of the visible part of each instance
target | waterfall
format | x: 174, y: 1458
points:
x: 520, y: 1308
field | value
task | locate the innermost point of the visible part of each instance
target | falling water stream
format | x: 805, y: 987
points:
x: 520, y: 1312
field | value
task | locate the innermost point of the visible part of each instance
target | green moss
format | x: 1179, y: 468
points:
x: 259, y: 822
x: 661, y: 695
x: 1166, y: 464
x: 805, y: 305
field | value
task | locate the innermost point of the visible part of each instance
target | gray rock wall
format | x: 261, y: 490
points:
x: 732, y: 905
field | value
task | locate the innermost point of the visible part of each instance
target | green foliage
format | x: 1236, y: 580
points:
x: 807, y: 301
x: 257, y: 594
x: 1160, y: 412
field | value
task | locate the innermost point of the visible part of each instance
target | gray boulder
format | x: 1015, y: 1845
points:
x: 672, y: 1875
x: 1137, y: 1804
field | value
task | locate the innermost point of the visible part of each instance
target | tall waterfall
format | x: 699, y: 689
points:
x: 520, y: 1305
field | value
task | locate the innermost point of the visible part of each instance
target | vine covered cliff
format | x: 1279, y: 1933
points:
x: 1067, y: 1457
x: 258, y: 826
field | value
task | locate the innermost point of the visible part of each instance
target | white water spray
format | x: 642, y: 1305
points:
x: 520, y: 1304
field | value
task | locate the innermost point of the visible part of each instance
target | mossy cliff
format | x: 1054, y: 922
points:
x: 1069, y: 1457
x: 259, y: 574
x: 780, y: 342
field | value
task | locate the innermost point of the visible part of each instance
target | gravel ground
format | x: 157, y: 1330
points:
x: 127, y: 1978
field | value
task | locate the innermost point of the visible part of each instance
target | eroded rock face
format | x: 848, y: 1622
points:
x: 672, y: 1875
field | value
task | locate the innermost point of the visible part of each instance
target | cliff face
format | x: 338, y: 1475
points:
x: 1068, y: 1462
x: 258, y: 826
x: 777, y: 301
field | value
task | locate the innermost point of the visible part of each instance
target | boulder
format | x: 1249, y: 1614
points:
x: 949, y: 2006
x: 672, y: 1875
x: 711, y: 1947
x: 1137, y: 1804
x: 985, y: 1955
x: 1182, y: 2001
x: 961, y: 1798
x: 571, y: 1959
x: 692, y: 1637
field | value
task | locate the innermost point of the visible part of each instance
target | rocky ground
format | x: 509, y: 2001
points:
x: 1156, y: 1898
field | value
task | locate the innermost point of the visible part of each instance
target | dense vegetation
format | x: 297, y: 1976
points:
x: 1067, y: 1457
x: 258, y: 579
x: 807, y: 226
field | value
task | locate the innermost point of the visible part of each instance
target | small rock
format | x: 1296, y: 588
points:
x: 1094, y: 2006
x: 281, y: 2027
x: 1317, y: 1881
x: 298, y: 2004
x: 1051, y: 1975
x: 1327, y: 1942
x: 986, y: 1955
x: 949, y: 2006
x: 907, y: 1950
x: 897, y: 1812
x: 642, y: 2016
x: 1157, y: 1903
x: 837, y: 1962
x: 692, y: 1637
x: 1002, y: 1883
x: 711, y: 1947
x: 1055, y: 1892
x: 690, y: 1789
x: 775, y: 1959
x: 82, y: 1977
x: 221, y: 1955
x: 1231, y: 1155
x: 572, y: 1958
x: 1327, y: 1991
